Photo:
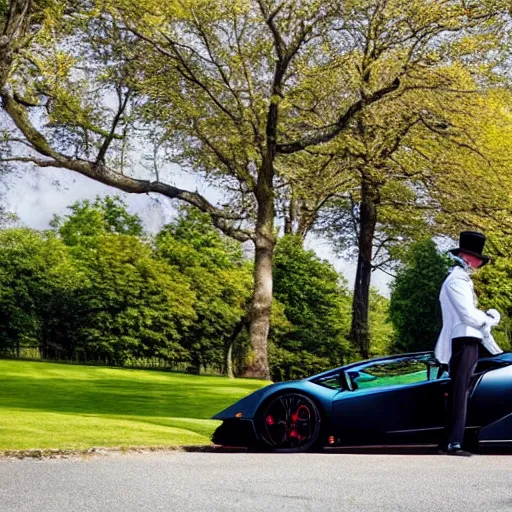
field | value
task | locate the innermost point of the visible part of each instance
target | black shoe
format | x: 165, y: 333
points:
x: 455, y: 449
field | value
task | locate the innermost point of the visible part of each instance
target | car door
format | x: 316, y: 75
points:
x: 393, y: 401
x: 491, y: 393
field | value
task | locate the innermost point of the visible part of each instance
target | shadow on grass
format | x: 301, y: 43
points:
x: 173, y: 396
x: 179, y: 401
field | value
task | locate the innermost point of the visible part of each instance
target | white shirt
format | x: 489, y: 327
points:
x: 461, y: 317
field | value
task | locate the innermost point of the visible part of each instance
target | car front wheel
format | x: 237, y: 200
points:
x: 288, y: 422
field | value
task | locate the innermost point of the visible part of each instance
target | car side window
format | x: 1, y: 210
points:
x: 391, y: 373
x: 330, y: 381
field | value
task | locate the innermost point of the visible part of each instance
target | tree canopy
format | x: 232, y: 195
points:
x: 414, y: 307
x: 275, y: 102
x: 317, y: 305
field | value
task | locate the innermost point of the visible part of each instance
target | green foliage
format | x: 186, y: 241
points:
x: 107, y: 300
x: 133, y: 305
x: 100, y: 292
x: 89, y: 219
x: 317, y: 305
x: 38, y: 281
x: 213, y: 266
x: 493, y: 285
x: 414, y: 306
x: 381, y: 329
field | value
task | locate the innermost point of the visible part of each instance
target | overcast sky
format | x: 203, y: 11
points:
x: 35, y: 195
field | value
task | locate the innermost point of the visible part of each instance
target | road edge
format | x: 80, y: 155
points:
x: 51, y: 453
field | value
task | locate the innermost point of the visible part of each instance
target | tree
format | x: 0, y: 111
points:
x: 135, y: 306
x: 414, y: 308
x: 492, y: 286
x: 316, y: 304
x: 132, y: 304
x: 235, y: 90
x: 407, y: 178
x: 89, y: 219
x: 38, y: 286
x: 221, y: 279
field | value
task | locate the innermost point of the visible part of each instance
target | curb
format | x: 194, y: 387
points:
x: 42, y: 454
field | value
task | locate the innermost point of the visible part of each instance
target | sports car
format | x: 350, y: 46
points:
x: 395, y: 400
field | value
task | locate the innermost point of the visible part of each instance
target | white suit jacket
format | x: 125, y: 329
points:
x: 461, y: 316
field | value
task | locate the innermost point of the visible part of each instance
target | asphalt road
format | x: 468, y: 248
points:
x: 221, y: 482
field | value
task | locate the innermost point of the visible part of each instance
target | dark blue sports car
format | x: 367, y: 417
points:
x: 392, y: 400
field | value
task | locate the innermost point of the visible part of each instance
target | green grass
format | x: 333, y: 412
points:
x: 46, y: 405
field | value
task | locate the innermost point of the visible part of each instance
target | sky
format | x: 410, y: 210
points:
x: 35, y: 195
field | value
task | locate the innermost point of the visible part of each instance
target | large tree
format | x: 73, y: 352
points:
x: 233, y: 91
x: 410, y: 154
x: 38, y: 286
x: 130, y: 304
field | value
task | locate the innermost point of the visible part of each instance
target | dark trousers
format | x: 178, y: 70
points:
x: 462, y: 365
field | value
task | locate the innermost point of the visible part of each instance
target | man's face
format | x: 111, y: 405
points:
x: 473, y: 261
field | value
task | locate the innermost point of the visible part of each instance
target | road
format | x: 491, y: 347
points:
x: 218, y: 482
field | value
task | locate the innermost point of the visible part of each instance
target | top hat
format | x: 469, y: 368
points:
x: 472, y: 242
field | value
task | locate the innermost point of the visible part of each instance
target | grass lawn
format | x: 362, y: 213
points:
x: 47, y: 405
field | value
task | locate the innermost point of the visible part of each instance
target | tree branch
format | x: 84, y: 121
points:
x: 269, y: 19
x: 120, y: 111
x: 183, y: 68
x: 329, y: 132
x: 100, y: 172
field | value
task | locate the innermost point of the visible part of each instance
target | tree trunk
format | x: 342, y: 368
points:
x: 289, y: 220
x: 14, y: 33
x: 228, y: 347
x: 228, y: 361
x: 261, y: 303
x: 257, y: 361
x: 359, y: 333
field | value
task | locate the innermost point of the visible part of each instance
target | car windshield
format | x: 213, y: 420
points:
x: 391, y: 372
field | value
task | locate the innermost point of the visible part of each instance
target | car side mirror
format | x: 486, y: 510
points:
x: 349, y: 380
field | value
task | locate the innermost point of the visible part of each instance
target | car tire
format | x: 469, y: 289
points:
x: 288, y: 422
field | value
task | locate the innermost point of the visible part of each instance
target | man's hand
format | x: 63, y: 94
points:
x: 494, y: 317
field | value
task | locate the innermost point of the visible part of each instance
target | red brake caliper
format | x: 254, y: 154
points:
x: 295, y: 417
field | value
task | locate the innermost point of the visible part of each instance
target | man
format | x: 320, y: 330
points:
x: 465, y: 330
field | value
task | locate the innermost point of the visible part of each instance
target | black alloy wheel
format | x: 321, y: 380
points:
x: 289, y: 422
